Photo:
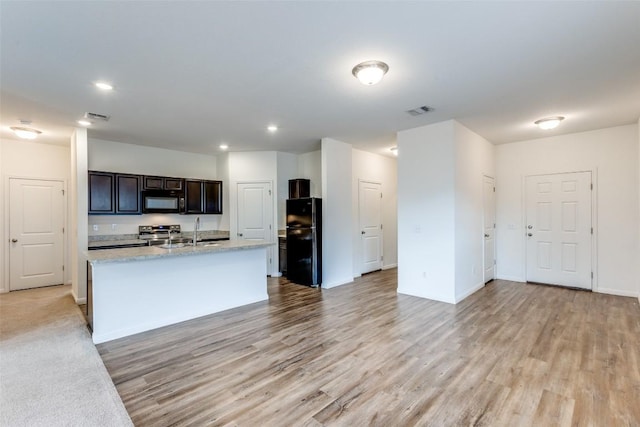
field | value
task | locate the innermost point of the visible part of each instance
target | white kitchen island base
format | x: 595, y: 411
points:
x: 132, y: 296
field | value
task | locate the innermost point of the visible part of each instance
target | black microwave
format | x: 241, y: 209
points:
x: 162, y: 201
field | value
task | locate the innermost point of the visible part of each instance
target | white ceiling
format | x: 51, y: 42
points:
x: 190, y: 75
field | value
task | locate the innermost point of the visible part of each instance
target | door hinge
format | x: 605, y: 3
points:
x: 269, y: 226
x: 591, y: 186
x: 269, y: 192
x: 381, y: 195
x: 494, y: 189
x: 494, y: 262
x: 63, y: 268
x: 269, y: 260
x: 381, y: 258
x: 591, y: 230
x: 592, y: 274
x: 63, y: 192
x: 62, y: 230
x: 380, y: 226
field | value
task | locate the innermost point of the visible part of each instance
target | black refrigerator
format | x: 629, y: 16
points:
x: 304, y: 241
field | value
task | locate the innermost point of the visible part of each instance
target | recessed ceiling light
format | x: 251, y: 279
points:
x: 394, y: 150
x: 84, y: 122
x: 25, y: 133
x: 370, y: 72
x: 224, y: 146
x: 549, y: 122
x: 272, y: 128
x: 104, y: 86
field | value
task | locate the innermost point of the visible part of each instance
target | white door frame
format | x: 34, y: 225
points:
x: 4, y: 286
x: 594, y: 221
x: 484, y: 212
x: 359, y: 230
x: 272, y: 270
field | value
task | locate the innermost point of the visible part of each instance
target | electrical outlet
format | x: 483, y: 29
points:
x: 95, y: 227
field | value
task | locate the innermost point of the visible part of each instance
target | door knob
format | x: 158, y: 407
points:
x: 486, y: 235
x: 362, y: 232
x: 239, y: 234
x: 529, y: 227
x: 529, y: 234
x: 14, y: 240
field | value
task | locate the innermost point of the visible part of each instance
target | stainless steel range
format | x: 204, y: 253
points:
x: 158, y: 235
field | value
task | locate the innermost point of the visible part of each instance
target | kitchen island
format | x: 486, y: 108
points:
x: 137, y: 289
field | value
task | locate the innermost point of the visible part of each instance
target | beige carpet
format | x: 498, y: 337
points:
x: 50, y: 372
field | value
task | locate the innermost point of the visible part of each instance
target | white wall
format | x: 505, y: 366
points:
x: 29, y: 159
x: 638, y: 278
x: 612, y: 155
x: 310, y: 167
x: 337, y: 226
x: 252, y: 167
x: 426, y: 212
x: 474, y: 159
x: 287, y: 169
x: 79, y: 213
x: 440, y: 210
x: 113, y: 156
x: 380, y: 169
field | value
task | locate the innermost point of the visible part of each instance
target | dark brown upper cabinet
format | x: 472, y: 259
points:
x: 128, y: 194
x: 101, y: 187
x: 203, y: 197
x: 162, y: 183
x: 114, y: 193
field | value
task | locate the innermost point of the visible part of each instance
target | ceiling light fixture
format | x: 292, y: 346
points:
x: 25, y: 133
x: 549, y: 122
x: 84, y: 122
x: 104, y: 86
x: 272, y: 128
x: 394, y: 150
x: 370, y: 72
x: 224, y: 146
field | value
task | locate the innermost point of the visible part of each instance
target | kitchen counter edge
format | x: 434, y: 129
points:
x: 153, y: 252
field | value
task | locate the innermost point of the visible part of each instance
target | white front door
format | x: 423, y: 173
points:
x: 370, y: 202
x: 489, y: 227
x: 36, y: 222
x: 255, y: 214
x: 558, y: 229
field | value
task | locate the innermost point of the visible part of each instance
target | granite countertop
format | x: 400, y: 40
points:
x: 132, y: 239
x: 152, y: 252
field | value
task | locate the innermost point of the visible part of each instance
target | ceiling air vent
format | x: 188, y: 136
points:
x: 96, y: 116
x: 420, y: 110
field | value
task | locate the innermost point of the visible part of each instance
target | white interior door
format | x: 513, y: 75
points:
x: 558, y: 233
x: 370, y: 202
x: 36, y: 227
x: 255, y: 214
x: 489, y: 227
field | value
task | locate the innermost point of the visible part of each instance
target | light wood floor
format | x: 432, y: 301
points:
x: 358, y: 355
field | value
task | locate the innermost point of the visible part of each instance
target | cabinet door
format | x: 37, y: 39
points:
x: 173, y: 183
x: 128, y: 194
x: 153, y: 183
x: 101, y: 185
x: 212, y: 199
x: 193, y: 196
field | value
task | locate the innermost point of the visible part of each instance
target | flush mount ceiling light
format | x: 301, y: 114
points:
x: 104, y: 86
x: 84, y: 122
x: 272, y: 128
x: 549, y: 122
x: 25, y: 133
x: 224, y: 146
x: 370, y: 72
x: 394, y: 150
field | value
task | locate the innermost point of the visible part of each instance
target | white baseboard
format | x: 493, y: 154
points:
x: 511, y: 278
x: 336, y: 283
x: 81, y: 301
x: 471, y: 291
x: 389, y: 266
x: 618, y: 292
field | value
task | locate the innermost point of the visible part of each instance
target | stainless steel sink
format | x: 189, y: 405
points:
x: 208, y: 244
x: 172, y: 245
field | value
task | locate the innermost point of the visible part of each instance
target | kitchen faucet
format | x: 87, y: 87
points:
x: 196, y: 226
